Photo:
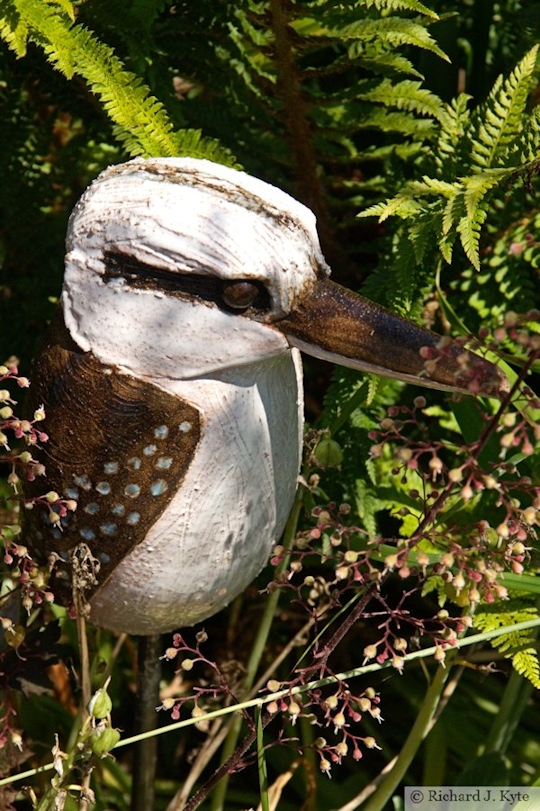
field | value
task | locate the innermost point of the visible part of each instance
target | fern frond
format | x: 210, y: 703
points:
x: 406, y: 95
x: 453, y: 139
x: 402, y: 205
x: 400, y: 5
x: 528, y: 143
x: 501, y: 115
x: 363, y: 116
x: 396, y: 31
x: 453, y: 212
x: 469, y: 230
x: 66, y: 6
x: 192, y: 144
x: 13, y: 28
x: 421, y: 235
x: 519, y: 647
x: 513, y: 274
x: 446, y: 246
x: 477, y: 186
x: 368, y: 504
x: 431, y: 185
x: 383, y: 62
x: 142, y: 123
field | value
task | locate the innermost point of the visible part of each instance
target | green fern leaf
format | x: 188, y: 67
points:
x: 528, y: 144
x: 192, y: 144
x: 382, y: 62
x: 519, y: 647
x: 438, y: 585
x: 500, y: 118
x: 525, y: 662
x: 431, y: 185
x: 421, y: 235
x: 14, y: 27
x: 477, y: 186
x: 469, y: 231
x: 446, y: 246
x: 453, y: 212
x: 66, y: 6
x: 400, y: 5
x: 374, y: 387
x: 141, y: 121
x: 406, y: 95
x: 402, y: 204
x: 385, y: 121
x: 454, y: 120
x: 367, y: 504
x: 396, y: 31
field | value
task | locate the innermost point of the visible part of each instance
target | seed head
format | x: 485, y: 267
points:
x: 100, y: 704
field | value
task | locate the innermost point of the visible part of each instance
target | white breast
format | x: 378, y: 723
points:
x: 218, y: 531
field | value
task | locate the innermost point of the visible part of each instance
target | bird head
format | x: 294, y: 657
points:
x: 180, y: 268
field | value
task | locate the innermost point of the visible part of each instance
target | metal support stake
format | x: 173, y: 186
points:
x: 145, y: 760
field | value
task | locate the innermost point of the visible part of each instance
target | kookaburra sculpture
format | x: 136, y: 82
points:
x: 172, y: 384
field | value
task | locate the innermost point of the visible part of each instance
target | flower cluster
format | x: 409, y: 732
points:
x: 22, y: 574
x: 56, y: 506
x: 23, y: 570
x: 339, y: 711
x: 336, y: 712
x: 359, y: 563
x: 31, y: 579
x: 470, y: 563
x: 205, y: 695
x: 22, y: 429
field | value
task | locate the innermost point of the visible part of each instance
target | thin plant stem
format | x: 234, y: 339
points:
x: 261, y: 762
x: 86, y: 690
x: 418, y: 732
x: 85, y: 662
x: 113, y: 657
x: 345, y: 627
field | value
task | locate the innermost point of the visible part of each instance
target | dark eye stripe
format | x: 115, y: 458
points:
x: 186, y: 285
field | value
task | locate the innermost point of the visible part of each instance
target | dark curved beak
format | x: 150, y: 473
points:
x: 338, y: 325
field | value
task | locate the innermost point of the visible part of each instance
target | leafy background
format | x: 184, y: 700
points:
x: 424, y: 123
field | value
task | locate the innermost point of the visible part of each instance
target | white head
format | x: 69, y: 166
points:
x: 176, y: 266
x: 180, y: 268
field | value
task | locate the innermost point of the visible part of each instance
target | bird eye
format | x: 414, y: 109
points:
x: 240, y: 295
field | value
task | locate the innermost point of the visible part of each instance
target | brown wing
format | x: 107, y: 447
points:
x: 117, y: 445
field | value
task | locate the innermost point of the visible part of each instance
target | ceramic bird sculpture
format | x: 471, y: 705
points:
x: 172, y: 384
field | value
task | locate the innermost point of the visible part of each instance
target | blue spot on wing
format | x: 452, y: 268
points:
x: 159, y: 487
